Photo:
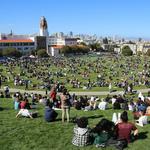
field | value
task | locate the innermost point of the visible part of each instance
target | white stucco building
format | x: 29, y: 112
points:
x: 23, y: 43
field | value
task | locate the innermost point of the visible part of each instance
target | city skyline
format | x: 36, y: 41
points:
x: 101, y: 17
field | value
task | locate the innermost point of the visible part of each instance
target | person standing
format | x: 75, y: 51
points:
x: 26, y: 84
x: 53, y: 94
x: 6, y: 91
x: 65, y: 105
x: 110, y: 87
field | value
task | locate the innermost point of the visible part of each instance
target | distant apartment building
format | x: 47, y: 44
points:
x: 71, y: 41
x: 135, y: 47
x: 143, y: 47
x: 53, y: 41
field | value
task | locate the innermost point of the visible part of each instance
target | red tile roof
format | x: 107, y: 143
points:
x: 16, y: 41
x: 57, y: 46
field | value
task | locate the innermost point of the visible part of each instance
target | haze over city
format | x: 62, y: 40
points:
x: 102, y: 17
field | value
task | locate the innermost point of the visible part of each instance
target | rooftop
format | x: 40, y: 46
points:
x: 16, y: 41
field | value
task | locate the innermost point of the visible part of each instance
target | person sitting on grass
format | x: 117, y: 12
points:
x: 6, y: 91
x: 141, y: 106
x: 102, y: 132
x: 1, y: 95
x: 16, y: 103
x: 50, y: 114
x: 103, y: 105
x: 81, y: 133
x: 92, y: 104
x: 124, y: 128
x: 27, y: 113
x: 142, y: 119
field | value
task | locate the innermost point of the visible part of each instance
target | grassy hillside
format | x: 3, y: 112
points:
x: 36, y: 134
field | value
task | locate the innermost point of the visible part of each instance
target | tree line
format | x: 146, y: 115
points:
x: 73, y: 49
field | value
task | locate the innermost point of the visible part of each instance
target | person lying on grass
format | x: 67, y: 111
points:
x: 26, y: 113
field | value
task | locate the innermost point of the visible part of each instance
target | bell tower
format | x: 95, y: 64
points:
x: 43, y: 27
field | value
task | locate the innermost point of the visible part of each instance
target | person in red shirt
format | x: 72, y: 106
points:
x: 124, y: 128
x: 53, y: 94
x: 25, y: 104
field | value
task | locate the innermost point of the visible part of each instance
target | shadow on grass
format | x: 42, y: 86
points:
x: 1, y: 108
x: 73, y: 119
x: 94, y: 116
x: 59, y: 119
x: 4, y: 108
x: 113, y: 91
x: 142, y: 135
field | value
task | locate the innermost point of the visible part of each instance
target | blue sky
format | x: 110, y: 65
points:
x: 102, y: 17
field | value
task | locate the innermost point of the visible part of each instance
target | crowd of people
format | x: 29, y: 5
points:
x: 116, y: 72
x: 76, y: 73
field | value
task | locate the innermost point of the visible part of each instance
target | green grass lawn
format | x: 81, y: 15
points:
x: 36, y: 134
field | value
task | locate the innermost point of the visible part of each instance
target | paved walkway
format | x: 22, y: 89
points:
x: 77, y: 93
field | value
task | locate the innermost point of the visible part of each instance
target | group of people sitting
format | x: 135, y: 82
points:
x: 140, y: 108
x: 6, y: 93
x: 22, y: 104
x: 24, y: 108
x: 105, y: 133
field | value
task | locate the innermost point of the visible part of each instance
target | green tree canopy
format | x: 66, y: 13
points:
x: 96, y: 47
x: 74, y: 49
x: 126, y: 51
x: 42, y: 53
x: 11, y: 52
x: 83, y: 43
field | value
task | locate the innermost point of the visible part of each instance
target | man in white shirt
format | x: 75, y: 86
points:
x: 142, y: 120
x: 113, y: 100
x: 102, y: 105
